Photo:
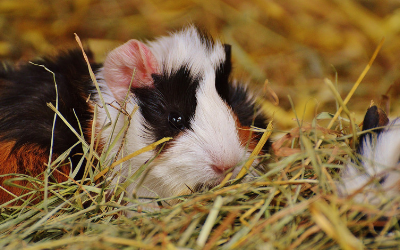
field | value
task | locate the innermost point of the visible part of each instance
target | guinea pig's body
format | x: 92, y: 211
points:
x: 180, y: 85
x: 26, y: 122
x: 378, y: 177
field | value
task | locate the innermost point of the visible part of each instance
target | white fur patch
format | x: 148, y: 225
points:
x: 186, y: 48
x: 380, y: 159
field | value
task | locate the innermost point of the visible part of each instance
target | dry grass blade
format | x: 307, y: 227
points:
x: 136, y: 153
x: 92, y: 75
x: 210, y: 221
x: 355, y: 86
x: 256, y: 151
x: 328, y: 219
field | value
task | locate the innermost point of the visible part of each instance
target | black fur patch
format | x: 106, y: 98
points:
x: 205, y: 38
x: 247, y: 112
x: 223, y: 73
x: 374, y: 118
x: 25, y: 90
x: 175, y: 93
x: 383, y: 179
x: 237, y: 96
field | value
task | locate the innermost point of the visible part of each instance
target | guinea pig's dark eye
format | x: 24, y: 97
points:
x: 176, y: 121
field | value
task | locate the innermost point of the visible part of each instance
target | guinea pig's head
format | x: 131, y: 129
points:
x: 183, y: 89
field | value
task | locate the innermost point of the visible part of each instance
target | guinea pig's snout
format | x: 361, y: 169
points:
x: 225, y: 162
x: 221, y: 168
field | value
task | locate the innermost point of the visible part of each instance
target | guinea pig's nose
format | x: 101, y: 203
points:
x: 221, y: 168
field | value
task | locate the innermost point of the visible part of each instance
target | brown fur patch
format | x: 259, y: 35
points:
x: 247, y: 137
x: 29, y: 160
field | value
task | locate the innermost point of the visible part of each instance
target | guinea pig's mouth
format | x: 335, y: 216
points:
x: 202, y: 187
x: 205, y: 186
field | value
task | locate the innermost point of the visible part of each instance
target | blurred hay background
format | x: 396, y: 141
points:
x: 293, y: 44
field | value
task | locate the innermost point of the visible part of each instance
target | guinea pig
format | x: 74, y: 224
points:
x: 176, y: 86
x: 378, y: 178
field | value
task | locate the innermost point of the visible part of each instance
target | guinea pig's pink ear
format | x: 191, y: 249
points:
x: 121, y: 63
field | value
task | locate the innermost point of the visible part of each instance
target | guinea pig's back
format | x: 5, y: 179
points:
x: 26, y: 119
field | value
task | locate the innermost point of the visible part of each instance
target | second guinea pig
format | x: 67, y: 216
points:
x: 376, y: 178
